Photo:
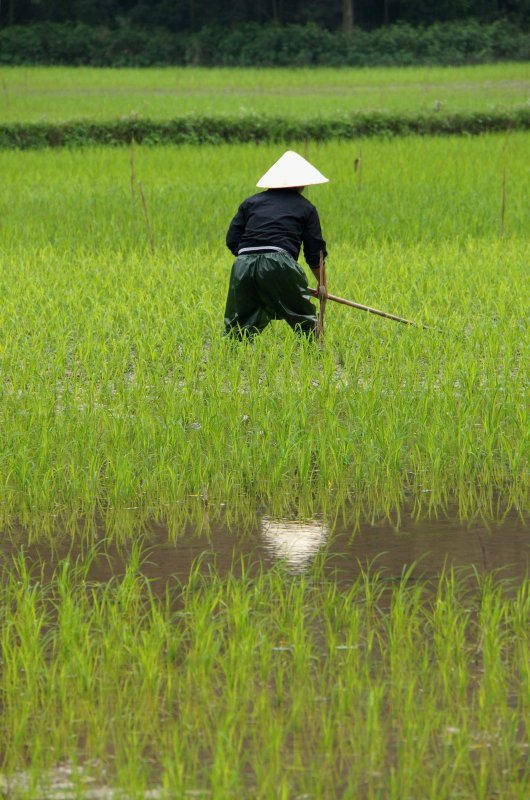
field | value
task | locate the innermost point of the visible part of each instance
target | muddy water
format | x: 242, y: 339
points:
x: 425, y: 547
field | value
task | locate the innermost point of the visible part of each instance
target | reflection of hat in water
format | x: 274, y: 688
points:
x: 291, y: 170
x: 296, y: 542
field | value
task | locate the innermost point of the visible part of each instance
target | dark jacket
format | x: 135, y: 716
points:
x: 278, y: 218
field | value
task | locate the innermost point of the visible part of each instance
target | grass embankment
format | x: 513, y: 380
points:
x: 257, y: 129
x: 270, y: 686
x: 117, y: 389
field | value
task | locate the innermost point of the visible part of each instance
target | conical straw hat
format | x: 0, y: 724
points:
x: 291, y: 170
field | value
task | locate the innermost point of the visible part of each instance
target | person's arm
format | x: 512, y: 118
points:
x: 322, y: 292
x: 236, y: 230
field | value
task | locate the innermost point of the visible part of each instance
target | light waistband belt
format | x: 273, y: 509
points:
x: 270, y: 248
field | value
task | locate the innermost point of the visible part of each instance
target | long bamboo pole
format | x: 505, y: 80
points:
x: 384, y: 314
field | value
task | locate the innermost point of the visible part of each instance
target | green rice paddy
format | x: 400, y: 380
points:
x: 60, y: 93
x: 120, y: 402
x: 118, y: 389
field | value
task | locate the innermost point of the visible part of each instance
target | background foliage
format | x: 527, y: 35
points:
x: 251, y: 44
x: 191, y: 15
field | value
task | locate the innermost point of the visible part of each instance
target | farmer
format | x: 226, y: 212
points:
x: 266, y: 235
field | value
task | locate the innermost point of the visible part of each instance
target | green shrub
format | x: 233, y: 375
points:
x: 255, y: 128
x: 263, y: 45
x: 49, y: 43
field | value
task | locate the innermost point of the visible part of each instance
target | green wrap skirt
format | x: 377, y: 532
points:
x: 267, y: 286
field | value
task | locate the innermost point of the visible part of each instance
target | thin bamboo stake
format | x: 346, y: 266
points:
x: 370, y: 310
x: 146, y: 215
x: 358, y: 168
x: 503, y: 202
x: 131, y: 159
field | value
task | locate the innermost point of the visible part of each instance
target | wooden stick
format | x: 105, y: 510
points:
x: 358, y: 168
x: 146, y: 215
x: 384, y: 314
x: 503, y: 201
x: 131, y: 159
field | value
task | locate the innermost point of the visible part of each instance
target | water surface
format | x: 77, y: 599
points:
x: 425, y: 547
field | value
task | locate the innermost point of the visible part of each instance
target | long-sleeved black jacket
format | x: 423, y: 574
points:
x: 278, y: 218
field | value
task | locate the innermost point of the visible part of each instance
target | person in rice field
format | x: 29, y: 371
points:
x: 266, y: 235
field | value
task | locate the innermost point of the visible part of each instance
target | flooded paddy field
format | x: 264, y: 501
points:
x: 284, y: 657
x: 268, y: 570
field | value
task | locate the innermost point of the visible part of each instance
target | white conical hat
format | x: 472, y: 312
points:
x: 291, y: 170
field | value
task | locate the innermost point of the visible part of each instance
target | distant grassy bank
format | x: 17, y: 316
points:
x: 53, y: 107
x: 62, y: 94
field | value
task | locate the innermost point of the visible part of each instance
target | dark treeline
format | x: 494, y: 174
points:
x: 250, y: 44
x: 192, y: 15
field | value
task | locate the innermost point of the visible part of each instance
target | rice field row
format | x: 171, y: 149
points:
x: 117, y: 389
x: 30, y: 94
x: 262, y: 685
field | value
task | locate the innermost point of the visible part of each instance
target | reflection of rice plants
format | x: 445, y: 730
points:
x: 263, y: 686
x: 118, y: 391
